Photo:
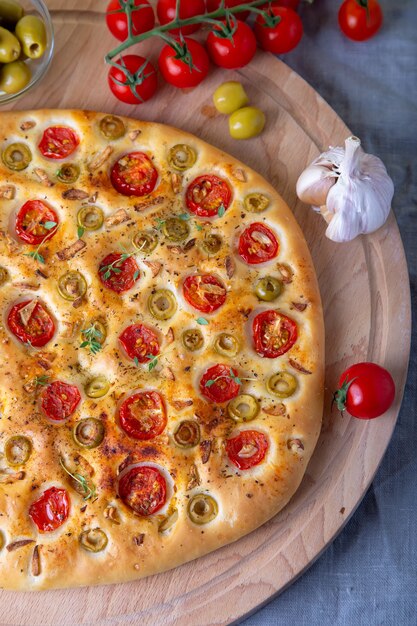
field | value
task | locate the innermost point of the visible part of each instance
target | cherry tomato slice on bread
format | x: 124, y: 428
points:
x: 220, y: 383
x: 208, y: 195
x: 142, y: 18
x: 140, y: 342
x: 205, y: 292
x: 134, y: 174
x: 247, y: 449
x: 257, y: 244
x: 51, y: 510
x: 143, y: 489
x: 59, y: 400
x: 58, y: 142
x: 35, y: 222
x: 366, y: 391
x: 273, y: 334
x: 117, y: 273
x: 143, y: 415
x: 31, y: 323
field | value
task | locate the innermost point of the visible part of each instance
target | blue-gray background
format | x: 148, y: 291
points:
x: 368, y: 576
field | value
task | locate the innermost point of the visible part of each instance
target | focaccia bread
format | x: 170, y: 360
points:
x: 161, y: 349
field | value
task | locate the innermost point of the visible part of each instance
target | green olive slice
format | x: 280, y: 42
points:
x: 17, y: 156
x: 93, y: 540
x: 88, y: 432
x: 226, y: 345
x: 268, y: 288
x: 243, y: 408
x: 112, y: 127
x: 211, y: 243
x: 90, y: 217
x: 72, y: 285
x: 282, y: 384
x: 162, y: 304
x: 4, y: 275
x: 256, y: 202
x: 182, y: 157
x: 97, y: 387
x: 68, y: 173
x: 192, y: 339
x: 187, y: 434
x: 18, y: 450
x: 145, y: 241
x: 202, y: 509
x: 175, y: 229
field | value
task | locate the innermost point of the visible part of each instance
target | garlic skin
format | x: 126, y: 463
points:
x: 351, y: 189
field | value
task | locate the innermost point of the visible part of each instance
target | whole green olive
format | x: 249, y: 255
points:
x: 268, y: 288
x: 31, y: 32
x: 14, y: 76
x: 9, y: 46
x: 246, y: 123
x: 229, y: 97
x: 162, y: 304
x: 10, y: 13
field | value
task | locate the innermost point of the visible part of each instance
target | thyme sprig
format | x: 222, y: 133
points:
x: 231, y: 375
x: 92, y: 339
x: 52, y: 227
x: 88, y: 488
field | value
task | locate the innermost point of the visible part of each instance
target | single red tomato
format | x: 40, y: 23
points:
x: 188, y: 8
x: 143, y: 415
x: 234, y: 52
x: 118, y: 273
x: 220, y: 383
x: 31, y: 323
x: 140, y: 342
x: 284, y: 36
x: 185, y: 65
x: 59, y: 400
x: 213, y: 5
x: 273, y: 334
x: 366, y: 391
x: 204, y: 292
x: 290, y: 4
x: 35, y: 222
x: 143, y: 489
x: 142, y: 18
x: 58, y: 142
x: 247, y: 449
x: 134, y: 80
x: 134, y: 174
x: 208, y: 195
x: 360, y: 19
x: 257, y: 244
x: 51, y: 510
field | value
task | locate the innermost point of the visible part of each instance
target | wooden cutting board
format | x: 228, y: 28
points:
x: 364, y: 287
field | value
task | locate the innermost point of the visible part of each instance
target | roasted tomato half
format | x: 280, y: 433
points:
x: 118, y: 273
x: 273, y: 334
x: 208, y: 196
x: 51, y: 510
x: 58, y: 142
x: 35, y: 222
x: 220, y: 383
x: 143, y: 489
x: 143, y: 415
x: 31, y: 323
x: 204, y: 292
x: 59, y: 400
x: 247, y: 449
x: 257, y: 244
x: 140, y: 342
x: 134, y: 174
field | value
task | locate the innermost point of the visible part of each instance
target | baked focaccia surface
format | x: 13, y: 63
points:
x: 141, y: 429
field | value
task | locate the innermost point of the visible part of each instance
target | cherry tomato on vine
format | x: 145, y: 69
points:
x: 284, y: 36
x: 188, y: 8
x: 143, y: 18
x: 213, y: 5
x: 134, y: 81
x: 232, y: 50
x: 366, y: 391
x: 360, y: 19
x: 190, y: 69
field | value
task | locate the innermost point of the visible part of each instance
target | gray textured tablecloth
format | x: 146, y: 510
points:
x: 368, y: 576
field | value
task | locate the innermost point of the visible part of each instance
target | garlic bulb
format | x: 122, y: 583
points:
x: 350, y: 188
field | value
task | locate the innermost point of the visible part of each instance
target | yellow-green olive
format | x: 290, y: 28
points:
x: 211, y: 243
x: 243, y: 408
x: 112, y: 127
x: 246, y: 123
x: 268, y: 288
x: 18, y: 450
x: 68, y: 173
x: 192, y: 339
x: 181, y: 157
x: 88, y: 432
x: 90, y: 217
x: 202, y: 509
x: 162, y: 304
x: 175, y: 229
x: 256, y: 202
x: 282, y: 384
x: 226, y: 345
x: 4, y: 275
x: 168, y: 522
x: 72, y: 286
x: 31, y: 32
x: 14, y: 76
x: 145, y: 241
x: 93, y: 540
x: 187, y: 434
x: 9, y: 46
x: 229, y: 97
x: 17, y: 156
x: 10, y: 13
x: 97, y: 387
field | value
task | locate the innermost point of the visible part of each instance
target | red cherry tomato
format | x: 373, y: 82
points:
x: 143, y: 415
x: 360, y: 19
x: 59, y: 400
x: 143, y: 18
x: 204, y: 292
x: 58, y: 142
x: 35, y: 331
x: 213, y: 5
x: 51, y: 510
x: 247, y: 449
x: 284, y: 36
x: 118, y: 274
x: 257, y: 244
x: 273, y: 334
x: 177, y: 72
x: 290, y: 4
x: 129, y: 84
x: 140, y: 342
x: 235, y: 52
x: 134, y: 174
x: 366, y: 391
x: 219, y: 384
x: 188, y: 8
x: 143, y: 489
x: 207, y: 195
x: 31, y: 221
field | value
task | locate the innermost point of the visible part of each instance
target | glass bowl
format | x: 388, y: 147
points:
x: 38, y: 67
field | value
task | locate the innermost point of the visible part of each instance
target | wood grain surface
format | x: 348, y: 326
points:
x: 364, y: 287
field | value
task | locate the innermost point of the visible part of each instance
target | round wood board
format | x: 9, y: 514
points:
x: 364, y: 287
